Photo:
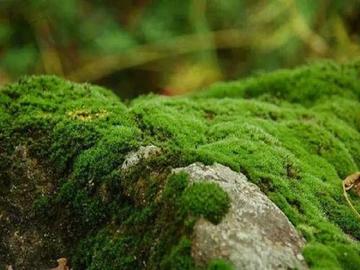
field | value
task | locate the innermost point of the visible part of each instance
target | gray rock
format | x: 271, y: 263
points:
x: 143, y: 153
x: 254, y: 234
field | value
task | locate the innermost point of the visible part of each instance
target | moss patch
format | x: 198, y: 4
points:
x: 294, y: 133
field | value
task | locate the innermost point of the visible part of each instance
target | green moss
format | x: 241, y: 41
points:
x: 305, y: 85
x: 157, y: 235
x: 206, y: 200
x: 294, y: 133
x: 179, y: 257
x: 338, y: 256
x: 220, y: 265
x: 320, y: 257
x: 175, y: 186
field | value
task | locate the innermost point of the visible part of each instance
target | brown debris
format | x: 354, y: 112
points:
x: 352, y: 182
x: 62, y: 264
x: 85, y: 115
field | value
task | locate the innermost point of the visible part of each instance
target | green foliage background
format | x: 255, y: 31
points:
x: 170, y: 47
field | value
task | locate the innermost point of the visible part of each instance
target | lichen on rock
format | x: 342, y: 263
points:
x: 293, y: 133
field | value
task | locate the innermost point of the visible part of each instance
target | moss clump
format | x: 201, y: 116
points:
x: 294, y: 133
x: 155, y: 236
x: 206, y: 200
x: 305, y: 86
x: 179, y: 258
x: 339, y: 256
x: 220, y: 265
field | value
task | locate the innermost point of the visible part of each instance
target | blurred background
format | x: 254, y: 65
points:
x: 171, y: 47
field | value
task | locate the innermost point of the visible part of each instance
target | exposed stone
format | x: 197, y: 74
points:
x: 254, y: 234
x: 135, y: 157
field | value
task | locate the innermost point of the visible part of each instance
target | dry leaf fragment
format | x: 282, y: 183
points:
x: 62, y: 264
x: 352, y: 182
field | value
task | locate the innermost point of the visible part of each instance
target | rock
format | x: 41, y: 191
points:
x: 143, y: 153
x: 254, y: 234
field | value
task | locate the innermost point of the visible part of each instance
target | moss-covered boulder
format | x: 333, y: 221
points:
x: 63, y: 192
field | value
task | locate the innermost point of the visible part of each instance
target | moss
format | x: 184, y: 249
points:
x: 175, y: 186
x: 294, y: 133
x: 179, y: 257
x: 220, y: 265
x: 206, y: 200
x: 338, y: 256
x: 155, y: 236
x: 306, y: 85
x: 320, y: 257
x: 104, y: 251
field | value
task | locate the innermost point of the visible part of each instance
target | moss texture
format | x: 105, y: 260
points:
x: 206, y: 200
x: 294, y: 133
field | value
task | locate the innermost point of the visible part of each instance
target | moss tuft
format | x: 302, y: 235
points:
x: 220, y: 265
x: 206, y: 200
x: 179, y: 257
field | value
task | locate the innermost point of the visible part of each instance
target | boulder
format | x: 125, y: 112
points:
x: 254, y: 234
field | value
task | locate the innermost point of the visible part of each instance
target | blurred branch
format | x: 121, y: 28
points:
x: 208, y: 41
x: 268, y: 13
x: 296, y: 26
x: 344, y: 41
x: 200, y: 24
x: 304, y: 31
x: 49, y: 54
x: 100, y: 67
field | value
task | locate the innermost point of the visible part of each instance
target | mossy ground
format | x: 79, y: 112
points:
x: 295, y: 134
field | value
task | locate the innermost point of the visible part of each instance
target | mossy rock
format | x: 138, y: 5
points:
x: 294, y: 133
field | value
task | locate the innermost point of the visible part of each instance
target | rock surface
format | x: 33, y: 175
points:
x: 255, y: 234
x: 135, y: 157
